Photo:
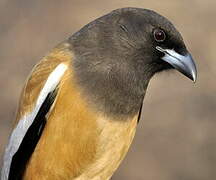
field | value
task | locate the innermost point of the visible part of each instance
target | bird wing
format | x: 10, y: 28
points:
x: 36, y: 102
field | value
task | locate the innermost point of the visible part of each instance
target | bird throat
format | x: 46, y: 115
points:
x: 114, y: 90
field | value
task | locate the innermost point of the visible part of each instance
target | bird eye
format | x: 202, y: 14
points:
x: 159, y: 35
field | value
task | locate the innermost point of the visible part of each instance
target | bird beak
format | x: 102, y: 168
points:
x: 183, y: 63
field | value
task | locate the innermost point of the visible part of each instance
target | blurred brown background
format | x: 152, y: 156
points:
x: 176, y: 137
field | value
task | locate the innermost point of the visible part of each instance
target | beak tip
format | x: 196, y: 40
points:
x: 193, y: 76
x: 194, y: 80
x: 194, y: 73
x: 193, y: 70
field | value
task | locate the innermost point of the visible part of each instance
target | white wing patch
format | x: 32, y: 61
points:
x: 24, y: 124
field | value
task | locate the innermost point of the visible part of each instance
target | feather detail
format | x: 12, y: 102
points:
x: 24, y: 124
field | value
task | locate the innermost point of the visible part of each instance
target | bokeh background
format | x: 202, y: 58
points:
x: 176, y: 137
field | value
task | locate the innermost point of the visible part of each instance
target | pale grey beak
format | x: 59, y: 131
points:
x: 184, y: 64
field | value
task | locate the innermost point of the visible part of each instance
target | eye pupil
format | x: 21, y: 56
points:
x: 159, y: 35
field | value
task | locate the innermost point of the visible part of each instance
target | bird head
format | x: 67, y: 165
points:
x: 122, y: 50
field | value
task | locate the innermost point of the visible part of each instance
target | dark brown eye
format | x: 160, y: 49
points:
x: 159, y: 35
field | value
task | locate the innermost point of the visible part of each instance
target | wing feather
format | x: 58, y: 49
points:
x: 36, y: 95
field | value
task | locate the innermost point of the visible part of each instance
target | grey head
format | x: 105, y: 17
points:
x: 117, y: 54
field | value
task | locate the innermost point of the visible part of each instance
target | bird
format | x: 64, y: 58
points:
x: 81, y: 104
